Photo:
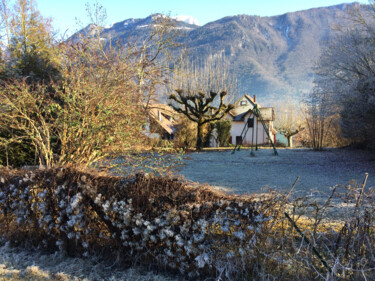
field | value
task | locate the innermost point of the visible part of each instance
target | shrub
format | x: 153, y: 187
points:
x: 156, y: 220
x: 193, y: 230
x: 186, y: 136
x: 223, y: 128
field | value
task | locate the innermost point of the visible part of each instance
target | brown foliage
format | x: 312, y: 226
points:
x: 193, y: 229
x: 101, y: 115
x: 155, y: 219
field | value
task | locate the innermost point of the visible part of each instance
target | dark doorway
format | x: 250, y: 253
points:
x: 238, y: 140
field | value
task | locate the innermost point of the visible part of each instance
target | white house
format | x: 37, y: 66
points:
x: 256, y: 133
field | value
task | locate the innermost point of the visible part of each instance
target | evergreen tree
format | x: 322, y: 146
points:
x: 32, y: 50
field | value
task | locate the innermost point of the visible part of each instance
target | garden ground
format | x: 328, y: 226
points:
x: 241, y: 173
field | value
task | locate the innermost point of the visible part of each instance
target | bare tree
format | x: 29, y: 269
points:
x: 344, y: 84
x: 199, y: 109
x: 203, y: 92
x: 155, y: 56
x: 212, y: 74
x: 289, y: 122
x: 318, y: 117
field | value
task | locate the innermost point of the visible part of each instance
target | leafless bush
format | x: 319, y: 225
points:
x: 153, y: 220
x: 193, y: 230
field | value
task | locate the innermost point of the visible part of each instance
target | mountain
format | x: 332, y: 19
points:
x: 138, y: 29
x: 273, y: 57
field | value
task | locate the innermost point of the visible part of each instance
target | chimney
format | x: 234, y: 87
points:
x: 255, y: 98
x: 159, y: 115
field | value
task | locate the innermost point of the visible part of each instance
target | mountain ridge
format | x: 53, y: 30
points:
x: 272, y: 56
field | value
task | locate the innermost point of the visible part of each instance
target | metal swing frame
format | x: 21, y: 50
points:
x: 256, y: 113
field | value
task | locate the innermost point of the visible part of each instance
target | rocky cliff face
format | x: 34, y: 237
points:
x: 273, y: 56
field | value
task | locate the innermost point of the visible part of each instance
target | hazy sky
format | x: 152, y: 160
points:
x: 64, y: 12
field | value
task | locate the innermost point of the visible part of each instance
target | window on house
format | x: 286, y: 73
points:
x: 250, y: 122
x: 243, y: 102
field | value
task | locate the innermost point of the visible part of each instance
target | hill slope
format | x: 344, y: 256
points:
x: 272, y: 56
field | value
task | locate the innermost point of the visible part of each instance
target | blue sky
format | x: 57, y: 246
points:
x: 64, y: 12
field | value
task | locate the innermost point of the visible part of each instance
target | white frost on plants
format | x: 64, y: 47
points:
x: 240, y: 235
x: 202, y: 260
x: 75, y: 200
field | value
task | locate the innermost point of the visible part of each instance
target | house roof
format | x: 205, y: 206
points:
x: 239, y: 112
x: 166, y: 109
x: 241, y: 116
x: 253, y: 102
x: 158, y: 112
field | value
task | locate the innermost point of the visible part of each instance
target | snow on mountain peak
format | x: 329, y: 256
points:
x: 187, y: 19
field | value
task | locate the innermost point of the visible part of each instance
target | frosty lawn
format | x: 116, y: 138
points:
x: 240, y: 173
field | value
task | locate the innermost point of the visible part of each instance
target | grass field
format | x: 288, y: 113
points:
x: 318, y: 171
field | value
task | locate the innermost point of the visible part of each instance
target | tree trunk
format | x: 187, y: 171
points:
x: 199, y: 137
x: 290, y: 141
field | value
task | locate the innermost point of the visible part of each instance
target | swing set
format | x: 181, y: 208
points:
x: 250, y: 124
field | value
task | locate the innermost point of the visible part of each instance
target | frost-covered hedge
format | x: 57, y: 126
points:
x: 146, y: 219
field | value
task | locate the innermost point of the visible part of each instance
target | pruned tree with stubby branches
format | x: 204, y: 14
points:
x: 290, y: 122
x: 199, y: 109
x: 203, y: 91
